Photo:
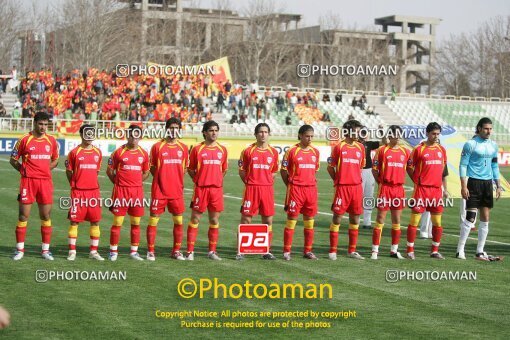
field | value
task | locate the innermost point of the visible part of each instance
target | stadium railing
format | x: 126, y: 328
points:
x: 23, y: 125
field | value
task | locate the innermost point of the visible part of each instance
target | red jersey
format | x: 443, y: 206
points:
x: 301, y: 165
x: 259, y: 165
x: 210, y: 163
x: 129, y: 166
x: 428, y: 163
x: 348, y: 160
x: 391, y: 164
x: 85, y: 165
x: 36, y: 155
x: 170, y: 162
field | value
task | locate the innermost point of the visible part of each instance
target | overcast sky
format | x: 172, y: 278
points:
x: 457, y: 15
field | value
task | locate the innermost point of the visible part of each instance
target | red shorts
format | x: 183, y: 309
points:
x: 207, y: 198
x: 258, y: 199
x: 85, y: 206
x: 38, y: 190
x: 391, y: 197
x: 174, y: 206
x: 301, y: 200
x: 128, y: 200
x: 427, y: 198
x: 348, y: 198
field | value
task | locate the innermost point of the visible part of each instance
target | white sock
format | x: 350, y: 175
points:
x: 483, y: 230
x: 134, y: 249
x: 465, y: 228
x: 375, y: 249
x: 394, y: 248
x: 45, y: 247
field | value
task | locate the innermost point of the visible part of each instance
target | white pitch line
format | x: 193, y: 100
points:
x: 281, y: 205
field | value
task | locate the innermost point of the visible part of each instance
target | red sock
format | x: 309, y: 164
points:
x: 308, y: 232
x: 151, y: 237
x: 46, y: 234
x: 395, y: 236
x: 177, y: 237
x: 213, y: 238
x: 20, y: 236
x: 333, y: 241
x: 437, y: 232
x: 135, y: 236
x: 353, y: 240
x: 92, y: 246
x: 114, y: 237
x: 411, y: 237
x: 288, y: 234
x: 192, y: 237
x: 72, y: 246
x: 376, y: 236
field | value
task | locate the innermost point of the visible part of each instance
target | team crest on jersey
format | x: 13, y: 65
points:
x: 439, y: 154
x: 96, y: 158
x: 358, y: 154
x: 269, y: 160
x: 165, y: 153
x: 314, y: 159
x: 140, y: 160
x: 47, y: 148
x: 179, y: 153
x: 220, y: 155
x: 402, y: 158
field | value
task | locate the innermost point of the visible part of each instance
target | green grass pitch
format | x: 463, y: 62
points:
x: 126, y: 309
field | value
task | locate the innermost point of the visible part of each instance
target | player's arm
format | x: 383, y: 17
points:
x: 145, y: 175
x: 495, y: 173
x: 446, y: 194
x: 153, y: 160
x: 15, y: 164
x: 110, y: 170
x: 54, y: 156
x: 375, y: 166
x: 283, y: 170
x: 412, y: 164
x: 111, y: 174
x: 464, y: 161
x: 332, y: 162
x: 241, y: 166
x: 53, y: 164
x: 192, y: 166
x: 15, y: 156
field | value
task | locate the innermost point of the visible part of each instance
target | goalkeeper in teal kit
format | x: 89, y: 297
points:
x: 478, y: 169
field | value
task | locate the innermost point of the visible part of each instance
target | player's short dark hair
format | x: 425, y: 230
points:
x: 394, y: 131
x: 86, y: 126
x: 303, y: 129
x: 351, y: 125
x: 134, y: 131
x: 482, y: 122
x: 433, y: 126
x: 41, y: 115
x: 261, y: 125
x: 171, y: 121
x: 209, y: 124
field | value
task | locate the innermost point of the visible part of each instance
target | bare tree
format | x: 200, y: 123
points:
x: 13, y: 21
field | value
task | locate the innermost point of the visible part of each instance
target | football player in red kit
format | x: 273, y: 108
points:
x: 344, y: 167
x: 299, y: 167
x: 208, y: 164
x: 38, y: 152
x: 128, y: 167
x: 427, y: 170
x: 82, y: 167
x: 258, y: 165
x: 389, y: 170
x: 168, y: 164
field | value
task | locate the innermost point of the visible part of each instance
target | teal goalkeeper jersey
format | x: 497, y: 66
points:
x: 479, y: 159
